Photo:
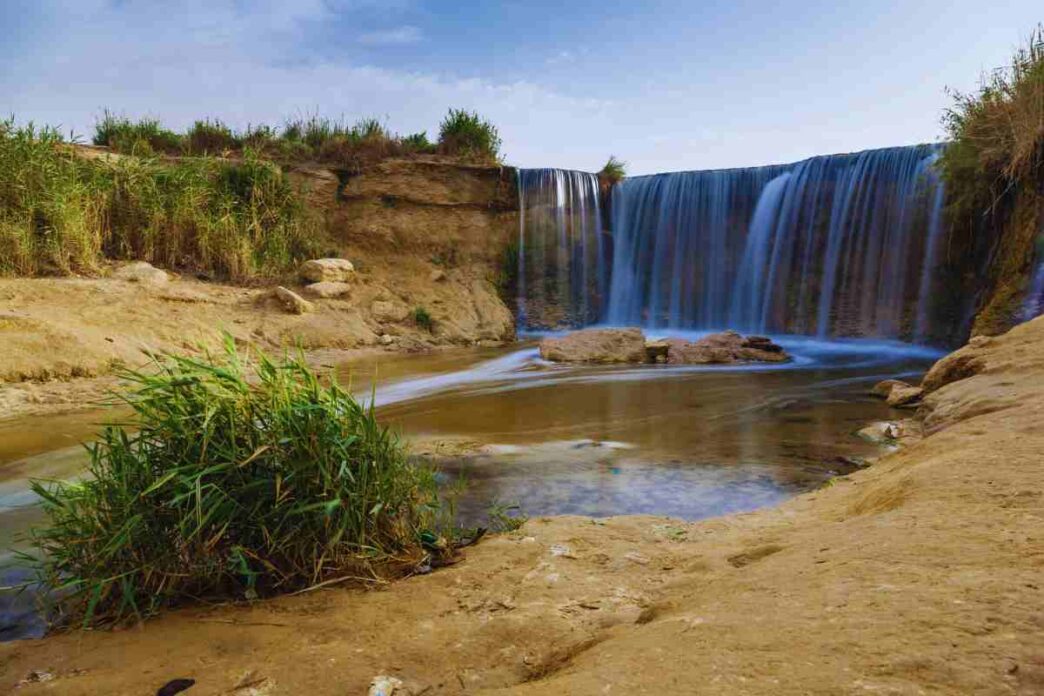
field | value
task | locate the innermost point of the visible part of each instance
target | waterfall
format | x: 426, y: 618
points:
x: 832, y: 245
x: 838, y: 245
x: 563, y: 272
x: 1033, y: 305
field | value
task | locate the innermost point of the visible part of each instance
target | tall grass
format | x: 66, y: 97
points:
x: 613, y: 171
x: 231, y: 218
x: 997, y: 135
x: 467, y: 135
x: 235, y: 477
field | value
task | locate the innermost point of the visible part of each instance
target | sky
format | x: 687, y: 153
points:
x: 662, y: 85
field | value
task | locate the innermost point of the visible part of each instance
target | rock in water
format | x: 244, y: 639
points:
x: 656, y: 351
x: 319, y: 270
x: 141, y: 272
x: 725, y: 347
x: 596, y: 346
x: 904, y: 396
x: 327, y: 288
x: 883, y: 389
x: 293, y: 302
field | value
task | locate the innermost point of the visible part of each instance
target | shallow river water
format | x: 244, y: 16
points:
x: 683, y: 441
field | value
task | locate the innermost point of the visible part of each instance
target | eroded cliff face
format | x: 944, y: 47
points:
x: 427, y: 239
x: 1011, y: 262
x: 425, y: 234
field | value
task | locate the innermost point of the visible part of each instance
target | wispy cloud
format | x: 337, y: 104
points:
x: 399, y: 36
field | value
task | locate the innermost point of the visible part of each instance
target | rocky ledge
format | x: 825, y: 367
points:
x: 629, y: 345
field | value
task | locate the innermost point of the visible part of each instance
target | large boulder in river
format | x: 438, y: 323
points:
x: 320, y: 270
x: 596, y: 346
x: 724, y: 347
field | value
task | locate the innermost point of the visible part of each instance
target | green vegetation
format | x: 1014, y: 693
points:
x: 505, y: 517
x: 994, y: 174
x: 235, y: 477
x: 423, y: 319
x: 613, y: 171
x: 463, y: 135
x: 61, y: 212
x: 466, y: 135
x: 997, y: 134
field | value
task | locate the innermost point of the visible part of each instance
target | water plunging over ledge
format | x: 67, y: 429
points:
x: 838, y: 245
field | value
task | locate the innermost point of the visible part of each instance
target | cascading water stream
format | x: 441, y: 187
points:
x: 839, y: 245
x: 562, y: 248
x: 834, y: 245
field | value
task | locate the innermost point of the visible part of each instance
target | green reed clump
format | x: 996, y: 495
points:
x: 211, y: 137
x: 143, y: 137
x: 467, y: 135
x: 997, y: 135
x: 235, y: 477
x: 60, y: 212
x: 52, y: 205
x: 614, y: 170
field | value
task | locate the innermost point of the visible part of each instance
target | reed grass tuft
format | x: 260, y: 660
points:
x: 237, y: 476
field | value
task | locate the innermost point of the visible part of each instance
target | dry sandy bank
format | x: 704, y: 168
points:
x: 921, y: 574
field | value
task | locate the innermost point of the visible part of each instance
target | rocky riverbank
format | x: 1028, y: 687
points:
x: 918, y: 574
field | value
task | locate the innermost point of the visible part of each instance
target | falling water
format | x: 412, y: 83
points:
x: 562, y: 248
x: 1033, y: 306
x: 833, y: 245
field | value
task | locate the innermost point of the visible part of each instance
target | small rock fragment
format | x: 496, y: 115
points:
x: 318, y: 270
x: 905, y: 396
x: 293, y: 302
x: 437, y: 276
x: 383, y: 685
x: 141, y: 272
x: 327, y: 288
x: 883, y: 389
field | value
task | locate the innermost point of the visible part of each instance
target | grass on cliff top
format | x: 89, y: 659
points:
x: 997, y: 135
x: 235, y: 477
x: 62, y: 213
x: 614, y: 170
x: 313, y: 137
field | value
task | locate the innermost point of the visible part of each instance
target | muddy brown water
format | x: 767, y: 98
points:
x: 683, y: 441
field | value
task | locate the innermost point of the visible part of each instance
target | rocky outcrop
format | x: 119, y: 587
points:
x: 630, y: 346
x: 725, y: 347
x: 326, y: 270
x: 898, y: 393
x: 601, y: 346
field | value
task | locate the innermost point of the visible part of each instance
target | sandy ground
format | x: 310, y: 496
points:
x: 60, y: 338
x: 923, y: 574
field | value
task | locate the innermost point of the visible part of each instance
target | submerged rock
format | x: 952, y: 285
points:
x: 724, y: 347
x: 596, y: 346
x: 318, y: 270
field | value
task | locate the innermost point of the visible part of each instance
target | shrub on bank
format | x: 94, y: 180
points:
x: 61, y: 213
x: 234, y: 478
x: 997, y: 135
x: 465, y: 134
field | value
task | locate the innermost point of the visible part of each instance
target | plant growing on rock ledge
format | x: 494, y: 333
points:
x: 614, y: 170
x: 423, y: 319
x: 235, y: 477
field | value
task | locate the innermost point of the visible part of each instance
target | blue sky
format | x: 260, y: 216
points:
x: 662, y: 85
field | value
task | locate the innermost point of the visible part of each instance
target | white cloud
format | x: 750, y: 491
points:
x: 398, y: 36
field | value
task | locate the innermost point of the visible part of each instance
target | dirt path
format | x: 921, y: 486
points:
x: 922, y: 574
